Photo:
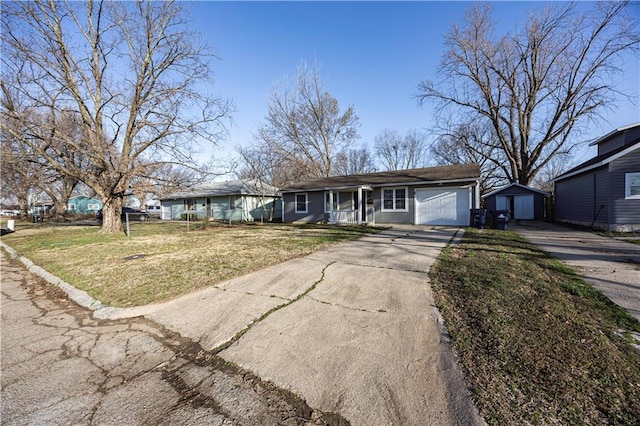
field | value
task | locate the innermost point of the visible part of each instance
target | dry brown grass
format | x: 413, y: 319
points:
x: 174, y: 261
x: 538, y: 344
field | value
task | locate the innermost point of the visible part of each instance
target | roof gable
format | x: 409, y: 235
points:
x: 454, y: 173
x: 499, y: 190
x: 216, y: 189
x: 600, y: 160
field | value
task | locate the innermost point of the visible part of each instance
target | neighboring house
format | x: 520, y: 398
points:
x: 427, y: 196
x: 153, y: 207
x: 242, y: 200
x: 82, y: 204
x: 604, y: 192
x: 523, y: 202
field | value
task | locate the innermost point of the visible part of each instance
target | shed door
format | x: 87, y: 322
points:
x: 442, y: 206
x: 523, y: 206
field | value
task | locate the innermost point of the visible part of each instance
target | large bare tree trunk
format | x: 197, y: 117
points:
x: 111, y: 216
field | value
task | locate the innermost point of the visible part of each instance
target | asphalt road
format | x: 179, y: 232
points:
x: 60, y: 366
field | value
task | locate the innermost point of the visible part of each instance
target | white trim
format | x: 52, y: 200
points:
x: 613, y: 132
x: 627, y: 186
x: 599, y: 163
x: 306, y: 202
x: 336, y: 201
x: 394, y: 189
x: 518, y: 185
x: 369, y: 186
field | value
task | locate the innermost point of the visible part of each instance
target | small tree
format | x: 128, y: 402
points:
x: 304, y: 129
x: 537, y: 87
x: 354, y: 161
x: 397, y: 152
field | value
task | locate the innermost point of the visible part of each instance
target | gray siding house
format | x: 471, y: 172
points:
x: 523, y: 202
x: 426, y: 196
x: 604, y: 192
x: 241, y: 200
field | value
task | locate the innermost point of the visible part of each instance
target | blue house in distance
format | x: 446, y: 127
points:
x: 82, y: 204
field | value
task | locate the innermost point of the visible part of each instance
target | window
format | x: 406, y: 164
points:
x: 93, y: 207
x: 301, y: 202
x: 632, y: 185
x: 394, y: 199
x: 72, y: 207
x: 336, y: 202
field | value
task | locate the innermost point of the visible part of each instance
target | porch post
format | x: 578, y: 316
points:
x: 477, y: 200
x: 360, y: 205
x: 331, y: 218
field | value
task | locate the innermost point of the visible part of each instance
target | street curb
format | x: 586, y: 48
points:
x: 81, y: 297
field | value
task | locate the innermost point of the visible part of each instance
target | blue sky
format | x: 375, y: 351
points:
x: 372, y: 56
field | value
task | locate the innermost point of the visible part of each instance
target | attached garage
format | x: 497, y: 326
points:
x: 443, y: 206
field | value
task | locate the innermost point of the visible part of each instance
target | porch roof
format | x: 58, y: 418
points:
x: 435, y: 175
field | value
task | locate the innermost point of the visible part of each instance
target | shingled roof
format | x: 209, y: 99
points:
x: 441, y: 174
x: 238, y: 187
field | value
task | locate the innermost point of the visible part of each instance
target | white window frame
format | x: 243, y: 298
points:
x: 71, y: 207
x: 306, y: 202
x: 394, y: 189
x: 627, y: 186
x: 336, y: 201
x: 92, y: 207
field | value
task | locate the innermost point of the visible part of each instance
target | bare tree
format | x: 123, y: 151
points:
x: 540, y: 86
x: 397, y: 152
x: 134, y: 74
x: 471, y: 142
x: 304, y: 128
x: 19, y: 176
x: 554, y: 168
x: 354, y: 161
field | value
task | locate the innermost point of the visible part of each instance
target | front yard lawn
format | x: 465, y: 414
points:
x: 163, y: 260
x: 538, y: 345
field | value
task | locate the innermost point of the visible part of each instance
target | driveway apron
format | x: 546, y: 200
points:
x: 365, y: 341
x: 611, y: 266
x: 352, y: 329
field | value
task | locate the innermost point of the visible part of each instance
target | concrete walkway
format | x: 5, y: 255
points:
x: 352, y: 329
x: 610, y: 265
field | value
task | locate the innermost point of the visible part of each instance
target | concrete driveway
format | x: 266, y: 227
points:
x: 352, y: 329
x: 612, y: 266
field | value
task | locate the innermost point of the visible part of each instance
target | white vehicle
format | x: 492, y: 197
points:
x: 10, y: 213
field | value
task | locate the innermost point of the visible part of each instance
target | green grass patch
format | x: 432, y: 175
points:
x: 175, y: 261
x: 537, y: 343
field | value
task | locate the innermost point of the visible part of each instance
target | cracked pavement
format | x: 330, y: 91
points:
x: 352, y: 329
x: 62, y: 366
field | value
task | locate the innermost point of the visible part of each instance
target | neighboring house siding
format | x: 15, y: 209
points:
x: 601, y: 197
x: 574, y: 199
x: 84, y: 205
x: 619, y: 140
x: 623, y: 211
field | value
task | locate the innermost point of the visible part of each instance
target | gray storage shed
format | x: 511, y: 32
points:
x: 523, y: 202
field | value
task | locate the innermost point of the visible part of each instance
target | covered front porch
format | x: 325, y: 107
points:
x: 350, y: 205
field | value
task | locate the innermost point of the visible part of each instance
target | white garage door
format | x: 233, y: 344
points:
x: 442, y: 206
